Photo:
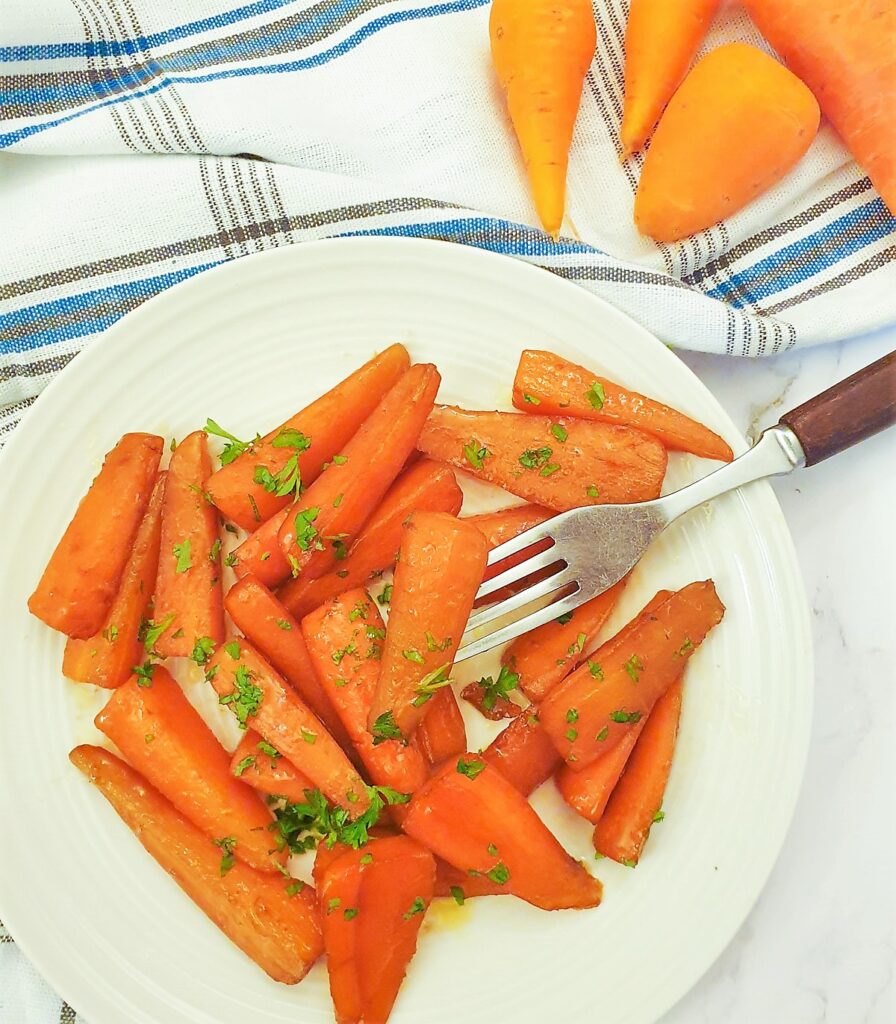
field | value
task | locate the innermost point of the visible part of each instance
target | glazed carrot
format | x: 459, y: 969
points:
x: 592, y: 709
x: 108, y: 657
x: 260, y: 696
x: 254, y: 763
x: 523, y: 753
x: 81, y: 579
x: 438, y: 573
x: 164, y: 738
x: 661, y: 40
x: 636, y: 801
x: 697, y: 171
x: 492, y: 704
x: 843, y: 50
x: 551, y: 386
x: 331, y: 513
x: 266, y: 916
x: 542, y: 50
x: 471, y: 816
x: 424, y: 487
x: 313, y: 436
x: 442, y: 733
x: 188, y: 585
x: 260, y: 554
x: 503, y: 525
x: 558, y: 462
x: 461, y: 885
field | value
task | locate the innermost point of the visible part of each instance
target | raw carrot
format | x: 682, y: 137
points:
x: 81, y: 579
x: 108, y: 657
x: 845, y: 51
x: 442, y: 733
x: 551, y: 386
x: 698, y: 171
x: 523, y: 753
x: 461, y: 885
x: 542, y: 50
x: 254, y: 762
x: 260, y: 554
x: 661, y: 40
x: 331, y: 513
x: 188, y: 585
x: 558, y: 462
x: 438, y: 573
x: 266, y: 916
x: 246, y: 489
x: 471, y: 816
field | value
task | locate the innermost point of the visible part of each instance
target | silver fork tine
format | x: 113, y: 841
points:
x: 515, y: 629
x: 520, y: 600
x: 518, y: 572
x: 522, y: 540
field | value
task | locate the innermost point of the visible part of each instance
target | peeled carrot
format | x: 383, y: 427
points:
x: 698, y: 170
x: 260, y: 554
x: 542, y: 50
x: 331, y: 513
x: 561, y: 463
x: 844, y: 51
x: 471, y: 816
x: 461, y: 885
x: 551, y: 386
x: 503, y: 525
x: 269, y: 918
x: 661, y: 40
x: 108, y: 657
x: 438, y: 573
x: 188, y: 585
x: 81, y: 579
x: 523, y: 753
x: 253, y: 763
x: 442, y: 733
x: 314, y: 436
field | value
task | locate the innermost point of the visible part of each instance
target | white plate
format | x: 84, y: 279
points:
x: 246, y: 344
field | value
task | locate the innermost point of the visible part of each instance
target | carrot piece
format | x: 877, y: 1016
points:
x: 697, y: 171
x: 635, y: 803
x: 461, y: 885
x: 551, y: 386
x: 260, y: 554
x: 108, y: 657
x: 162, y: 735
x: 491, y: 705
x: 332, y: 512
x: 424, y: 487
x: 188, y: 585
x: 266, y: 916
x: 588, y: 791
x: 253, y: 763
x: 471, y: 816
x: 523, y: 753
x: 436, y: 579
x: 503, y: 525
x: 317, y: 433
x: 254, y: 690
x: 661, y: 40
x: 592, y: 709
x: 843, y: 50
x: 542, y: 50
x: 593, y: 463
x: 442, y: 733
x: 81, y: 579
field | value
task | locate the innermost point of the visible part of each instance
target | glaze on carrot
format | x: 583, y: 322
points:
x: 260, y: 554
x: 266, y: 770
x: 461, y: 885
x: 442, y: 733
x: 523, y: 753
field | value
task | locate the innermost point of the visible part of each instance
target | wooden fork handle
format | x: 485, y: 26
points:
x: 856, y: 408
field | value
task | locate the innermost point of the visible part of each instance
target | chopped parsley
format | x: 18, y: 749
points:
x: 359, y: 611
x: 688, y: 645
x: 234, y: 447
x: 572, y: 715
x: 241, y: 766
x: 624, y: 716
x: 151, y: 631
x: 203, y: 649
x: 294, y: 888
x: 230, y: 528
x: 592, y: 491
x: 530, y: 399
x: 233, y: 649
x: 602, y: 735
x: 266, y: 748
x: 305, y: 532
x: 340, y: 460
x: 386, y: 596
x: 632, y: 667
x: 550, y: 469
x: 492, y: 850
x: 289, y: 437
x: 498, y: 874
x: 431, y: 682
x: 231, y: 560
x: 535, y: 458
x: 227, y: 845
x: 434, y: 644
x: 366, y: 859
x: 384, y: 728
x: 110, y: 634
x: 285, y: 481
x: 340, y: 551
x: 626, y: 863
x: 566, y: 617
x: 214, y: 550
x: 595, y: 669
x: 350, y: 913
x: 412, y: 654
x: 559, y: 431
x: 595, y: 395
x: 572, y: 735
x: 308, y: 736
x: 660, y: 814
x: 458, y: 894
x: 182, y: 554
x: 333, y: 904
x: 493, y: 689
x: 349, y: 648
x: 284, y: 624
x: 337, y: 501
x: 470, y: 767
x: 475, y: 453
x: 375, y: 633
x: 417, y: 907
x: 245, y: 699
x: 144, y: 673
x: 578, y: 645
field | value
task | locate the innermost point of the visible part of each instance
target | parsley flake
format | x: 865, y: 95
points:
x: 458, y: 894
x: 284, y: 624
x: 350, y: 913
x: 499, y: 874
x: 384, y: 728
x: 226, y: 844
x: 602, y: 735
x: 431, y: 682
x: 470, y: 767
x: 535, y: 458
x: 359, y: 611
x: 572, y: 735
x: 245, y: 698
x: 386, y: 596
x: 234, y: 448
x: 595, y: 669
x: 241, y: 766
x: 266, y: 748
x: 492, y: 689
x: 572, y: 715
x: 417, y: 907
x: 412, y: 654
x: 559, y: 431
x: 566, y: 617
x: 530, y: 399
x: 595, y: 395
x: 182, y: 554
x: 625, y: 716
x: 203, y: 649
x: 475, y: 453
x: 305, y: 532
x: 110, y: 634
x: 632, y: 667
x: 592, y: 491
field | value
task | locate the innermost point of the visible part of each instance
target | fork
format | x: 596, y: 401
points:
x: 595, y: 546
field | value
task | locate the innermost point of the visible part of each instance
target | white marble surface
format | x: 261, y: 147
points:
x: 820, y: 944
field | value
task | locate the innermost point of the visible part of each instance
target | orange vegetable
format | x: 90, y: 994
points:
x: 188, y: 584
x: 542, y: 50
x: 253, y: 764
x: 503, y: 525
x: 108, y: 657
x: 81, y: 579
x: 661, y: 40
x: 276, y: 926
x: 471, y: 816
x: 260, y: 554
x: 165, y: 739
x: 844, y: 51
x: 442, y: 733
x: 331, y: 513
x: 461, y: 885
x: 698, y: 171
x: 523, y: 753
x: 559, y: 387
x: 328, y: 424
x: 493, y: 706
x: 595, y: 463
x: 438, y: 573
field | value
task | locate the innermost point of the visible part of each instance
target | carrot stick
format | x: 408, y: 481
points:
x: 424, y: 487
x: 260, y: 554
x: 438, y: 573
x: 558, y: 462
x: 551, y: 386
x: 81, y: 579
x: 523, y: 753
x: 266, y: 916
x: 698, y: 171
x: 254, y: 763
x: 108, y: 657
x: 442, y: 733
x: 503, y: 525
x: 188, y: 585
x: 843, y: 50
x: 661, y: 40
x: 331, y: 513
x: 542, y: 50
x: 471, y: 816
x: 314, y: 435
x: 461, y: 885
